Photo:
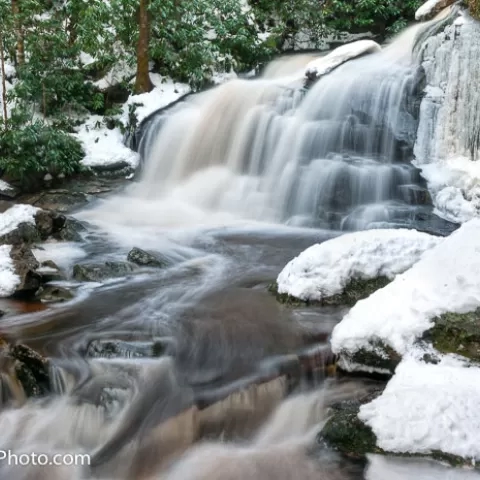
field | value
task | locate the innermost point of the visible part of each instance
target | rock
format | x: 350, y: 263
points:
x: 32, y: 370
x: 346, y: 433
x: 430, y: 9
x: 457, y: 333
x: 357, y: 289
x: 145, y: 259
x: 48, y: 223
x: 26, y: 268
x: 122, y: 349
x: 24, y: 233
x: 8, y: 191
x: 415, y: 195
x: 111, y: 167
x: 71, y: 231
x: 50, y: 272
x: 97, y: 272
x: 53, y: 294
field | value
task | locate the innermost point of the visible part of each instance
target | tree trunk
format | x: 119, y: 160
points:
x: 142, y: 82
x: 4, y: 83
x: 20, y: 47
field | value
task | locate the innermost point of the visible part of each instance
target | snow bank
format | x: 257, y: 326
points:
x: 323, y: 65
x: 446, y: 279
x: 325, y: 269
x: 103, y: 146
x: 166, y: 91
x: 8, y: 278
x: 15, y: 215
x: 428, y: 407
x: 429, y: 9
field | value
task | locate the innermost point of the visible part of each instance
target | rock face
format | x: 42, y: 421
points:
x: 457, y: 333
x: 25, y: 267
x: 97, y: 272
x: 145, y: 259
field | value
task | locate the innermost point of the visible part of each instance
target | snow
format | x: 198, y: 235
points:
x: 166, y: 91
x: 446, y: 279
x: 455, y: 187
x: 405, y: 419
x: 20, y: 213
x: 103, y: 146
x: 5, y: 186
x: 323, y: 65
x: 120, y: 72
x: 8, y: 278
x: 429, y: 9
x: 325, y: 269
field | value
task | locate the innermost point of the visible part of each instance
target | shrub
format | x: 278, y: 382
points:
x: 29, y: 152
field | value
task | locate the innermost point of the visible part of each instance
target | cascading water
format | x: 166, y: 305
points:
x: 336, y: 155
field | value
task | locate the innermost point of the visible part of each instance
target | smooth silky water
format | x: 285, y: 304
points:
x: 236, y: 181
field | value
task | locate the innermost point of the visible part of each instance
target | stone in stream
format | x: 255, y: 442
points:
x: 71, y: 231
x: 146, y: 259
x: 26, y: 268
x: 124, y: 349
x: 53, y: 294
x: 48, y: 223
x: 50, y: 272
x: 97, y: 272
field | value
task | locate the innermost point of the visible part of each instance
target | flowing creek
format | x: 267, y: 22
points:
x: 195, y: 371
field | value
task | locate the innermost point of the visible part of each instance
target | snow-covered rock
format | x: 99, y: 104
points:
x: 9, y: 280
x: 325, y: 269
x: 20, y: 213
x: 323, y: 65
x: 427, y: 408
x: 429, y: 9
x: 446, y: 279
x: 103, y: 146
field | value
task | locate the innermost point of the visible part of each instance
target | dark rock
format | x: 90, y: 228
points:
x: 111, y: 167
x: 122, y: 349
x: 357, y: 289
x: 97, y: 272
x: 9, y: 192
x: 26, y: 268
x: 70, y: 231
x: 346, y: 433
x: 48, y: 223
x: 415, y: 195
x: 145, y: 259
x: 23, y: 233
x: 381, y: 358
x: 457, y: 333
x: 53, y: 294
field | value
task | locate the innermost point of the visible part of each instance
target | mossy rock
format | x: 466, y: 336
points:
x: 457, y: 333
x: 346, y: 433
x: 357, y: 289
x: 380, y: 358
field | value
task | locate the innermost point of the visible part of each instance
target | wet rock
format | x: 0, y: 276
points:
x: 97, y: 272
x: 71, y: 231
x: 8, y: 191
x: 380, y: 359
x: 346, y: 433
x: 26, y: 268
x: 145, y: 259
x: 48, y: 223
x: 415, y: 195
x: 50, y: 272
x: 357, y: 289
x: 53, y: 294
x: 457, y: 333
x: 23, y: 233
x: 429, y: 10
x: 122, y: 349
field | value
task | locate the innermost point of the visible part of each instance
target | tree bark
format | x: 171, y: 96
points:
x: 142, y: 82
x: 4, y: 84
x: 20, y: 47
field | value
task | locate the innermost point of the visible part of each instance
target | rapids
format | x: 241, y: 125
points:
x: 236, y: 181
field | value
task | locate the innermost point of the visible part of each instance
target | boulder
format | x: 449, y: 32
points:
x: 70, y: 231
x: 145, y: 259
x: 97, y: 272
x: 53, y: 294
x: 48, y: 223
x: 26, y: 268
x: 23, y: 233
x: 50, y: 272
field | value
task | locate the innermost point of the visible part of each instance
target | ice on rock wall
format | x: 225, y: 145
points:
x: 448, y: 140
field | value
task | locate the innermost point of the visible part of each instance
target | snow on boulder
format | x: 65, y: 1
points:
x: 427, y: 408
x: 446, y: 279
x: 429, y: 9
x: 9, y: 280
x: 323, y: 65
x: 325, y: 269
x: 14, y: 216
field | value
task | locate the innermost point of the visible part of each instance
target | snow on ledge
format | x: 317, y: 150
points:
x: 325, y: 269
x: 428, y: 407
x: 8, y: 278
x: 445, y: 280
x: 20, y: 213
x: 323, y: 65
